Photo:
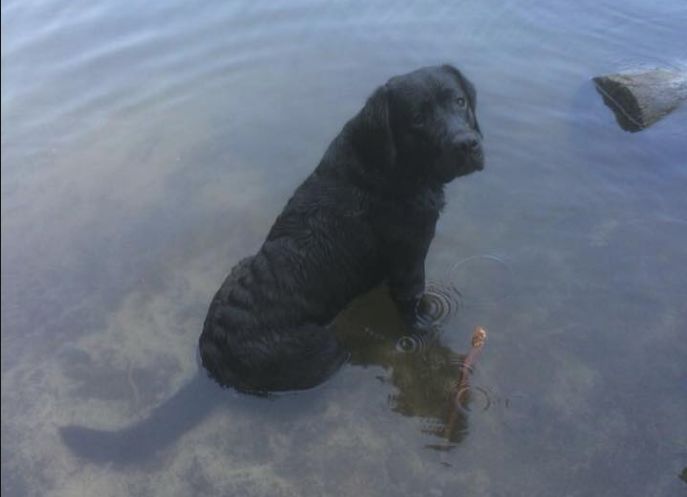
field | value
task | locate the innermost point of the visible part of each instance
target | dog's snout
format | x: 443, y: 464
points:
x: 471, y: 144
x: 468, y: 144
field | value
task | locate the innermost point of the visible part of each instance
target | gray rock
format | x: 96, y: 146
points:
x: 639, y: 99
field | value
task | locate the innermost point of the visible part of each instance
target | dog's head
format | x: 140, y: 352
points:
x: 421, y: 125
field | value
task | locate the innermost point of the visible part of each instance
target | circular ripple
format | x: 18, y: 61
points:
x: 439, y: 303
x: 415, y: 343
x: 407, y: 344
x: 484, y: 279
x: 460, y: 362
x: 472, y: 399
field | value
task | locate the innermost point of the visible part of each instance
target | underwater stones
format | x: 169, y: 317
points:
x: 639, y: 99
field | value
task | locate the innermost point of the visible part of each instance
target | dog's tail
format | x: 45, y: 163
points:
x: 140, y: 441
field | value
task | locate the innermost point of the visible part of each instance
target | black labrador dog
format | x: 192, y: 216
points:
x: 365, y: 216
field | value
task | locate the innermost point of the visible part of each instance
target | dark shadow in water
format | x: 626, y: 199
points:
x: 422, y: 371
x: 134, y: 444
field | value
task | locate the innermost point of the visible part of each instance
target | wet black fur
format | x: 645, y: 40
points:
x: 365, y: 216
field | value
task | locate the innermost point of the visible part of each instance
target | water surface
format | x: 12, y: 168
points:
x: 147, y: 148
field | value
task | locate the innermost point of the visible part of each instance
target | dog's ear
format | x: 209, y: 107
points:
x: 371, y: 132
x: 468, y: 88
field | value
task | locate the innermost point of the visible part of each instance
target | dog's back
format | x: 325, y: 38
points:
x: 265, y: 329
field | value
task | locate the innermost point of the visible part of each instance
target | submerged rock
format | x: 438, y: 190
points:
x: 639, y: 99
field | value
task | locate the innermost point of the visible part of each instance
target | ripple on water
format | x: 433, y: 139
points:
x: 417, y: 342
x: 483, y: 279
x: 439, y: 303
x: 473, y: 398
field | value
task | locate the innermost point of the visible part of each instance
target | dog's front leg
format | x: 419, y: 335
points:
x: 406, y: 281
x: 406, y: 286
x: 405, y: 251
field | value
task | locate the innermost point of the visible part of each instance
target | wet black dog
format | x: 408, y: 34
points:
x: 365, y: 216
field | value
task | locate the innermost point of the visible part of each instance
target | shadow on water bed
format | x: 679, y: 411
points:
x: 135, y: 444
x: 421, y: 371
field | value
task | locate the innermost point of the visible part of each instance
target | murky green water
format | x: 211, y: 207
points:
x: 147, y: 148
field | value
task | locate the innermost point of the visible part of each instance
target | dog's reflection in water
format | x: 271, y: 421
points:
x: 422, y: 371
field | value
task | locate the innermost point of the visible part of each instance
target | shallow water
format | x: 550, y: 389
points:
x: 147, y: 148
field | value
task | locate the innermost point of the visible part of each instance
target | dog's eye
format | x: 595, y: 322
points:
x: 461, y: 102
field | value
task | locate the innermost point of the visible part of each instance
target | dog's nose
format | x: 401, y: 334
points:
x: 467, y: 142
x: 469, y: 145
